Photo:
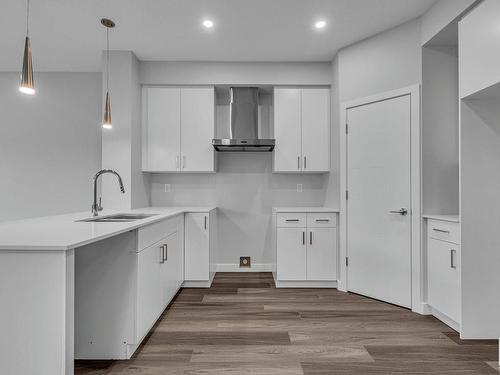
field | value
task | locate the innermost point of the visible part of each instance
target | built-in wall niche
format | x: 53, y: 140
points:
x: 440, y: 123
x: 222, y: 112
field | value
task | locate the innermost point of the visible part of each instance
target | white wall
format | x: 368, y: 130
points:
x: 121, y: 146
x: 236, y: 73
x: 388, y: 61
x: 244, y: 190
x: 440, y: 15
x: 49, y: 144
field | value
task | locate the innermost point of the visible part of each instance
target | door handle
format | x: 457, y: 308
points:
x: 441, y: 230
x: 452, y: 258
x: 401, y: 211
x: 310, y: 238
x: 162, y: 254
x: 303, y: 238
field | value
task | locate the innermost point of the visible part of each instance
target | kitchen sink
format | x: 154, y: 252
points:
x: 117, y: 218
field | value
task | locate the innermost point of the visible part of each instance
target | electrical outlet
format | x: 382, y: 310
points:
x: 167, y: 188
x: 244, y: 261
x: 299, y: 188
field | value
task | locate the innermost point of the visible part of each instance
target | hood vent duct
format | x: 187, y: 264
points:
x: 244, y: 124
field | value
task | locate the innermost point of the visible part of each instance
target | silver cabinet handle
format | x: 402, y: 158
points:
x: 162, y: 254
x: 452, y: 258
x: 322, y: 220
x: 177, y: 162
x: 183, y: 161
x: 303, y: 238
x: 305, y: 162
x: 310, y: 238
x: 292, y: 220
x: 441, y: 230
x: 401, y: 211
x: 165, y: 257
x: 298, y: 162
x: 205, y: 223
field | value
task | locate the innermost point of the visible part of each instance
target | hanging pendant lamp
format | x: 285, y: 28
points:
x: 27, y: 85
x: 107, y: 122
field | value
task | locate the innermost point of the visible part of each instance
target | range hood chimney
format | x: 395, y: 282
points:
x: 244, y: 124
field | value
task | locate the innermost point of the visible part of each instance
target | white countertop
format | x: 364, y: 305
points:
x: 305, y: 209
x: 448, y: 217
x: 63, y: 232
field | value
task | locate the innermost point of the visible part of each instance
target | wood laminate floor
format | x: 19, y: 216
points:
x: 244, y: 325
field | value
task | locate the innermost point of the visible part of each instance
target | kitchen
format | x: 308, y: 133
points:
x: 244, y: 204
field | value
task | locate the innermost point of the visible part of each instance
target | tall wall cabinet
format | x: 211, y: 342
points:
x: 178, y: 128
x: 302, y: 130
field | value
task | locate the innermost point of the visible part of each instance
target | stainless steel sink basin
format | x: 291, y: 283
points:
x: 117, y: 218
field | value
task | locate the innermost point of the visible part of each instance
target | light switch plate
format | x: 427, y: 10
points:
x: 299, y: 188
x: 167, y: 188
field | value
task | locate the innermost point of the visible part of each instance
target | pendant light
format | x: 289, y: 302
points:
x: 27, y: 85
x: 107, y: 122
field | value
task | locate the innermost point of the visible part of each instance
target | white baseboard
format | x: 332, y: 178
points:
x: 305, y: 284
x: 442, y: 317
x: 235, y: 267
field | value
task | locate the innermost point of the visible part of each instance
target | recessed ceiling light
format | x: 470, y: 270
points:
x: 320, y: 24
x: 208, y: 24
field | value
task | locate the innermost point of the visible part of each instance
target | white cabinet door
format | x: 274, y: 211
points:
x: 287, y: 152
x: 149, y: 288
x: 163, y: 119
x: 443, y: 262
x: 170, y: 268
x: 291, y: 254
x: 322, y: 254
x: 315, y: 130
x: 197, y: 247
x: 197, y: 129
x: 479, y: 52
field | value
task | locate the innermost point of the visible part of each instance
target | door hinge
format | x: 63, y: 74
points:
x: 346, y: 194
x: 347, y: 128
x: 346, y: 261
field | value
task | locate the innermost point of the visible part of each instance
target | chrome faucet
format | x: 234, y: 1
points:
x: 96, y: 207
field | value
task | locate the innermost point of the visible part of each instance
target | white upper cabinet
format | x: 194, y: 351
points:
x: 162, y: 133
x: 315, y: 130
x: 479, y: 41
x: 302, y: 130
x: 197, y: 129
x: 178, y: 128
x: 288, y: 149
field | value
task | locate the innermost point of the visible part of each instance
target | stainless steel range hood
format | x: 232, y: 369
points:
x: 244, y: 124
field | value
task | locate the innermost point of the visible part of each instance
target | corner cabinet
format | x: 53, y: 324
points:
x: 443, y: 271
x: 305, y: 248
x: 302, y: 130
x: 178, y: 126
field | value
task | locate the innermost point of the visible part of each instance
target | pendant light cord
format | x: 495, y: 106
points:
x: 107, y: 59
x: 28, y: 18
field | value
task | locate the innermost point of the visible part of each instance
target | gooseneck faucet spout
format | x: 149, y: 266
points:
x: 96, y: 207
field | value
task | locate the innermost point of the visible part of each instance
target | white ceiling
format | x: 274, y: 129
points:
x: 67, y: 35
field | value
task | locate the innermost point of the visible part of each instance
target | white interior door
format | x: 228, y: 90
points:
x: 378, y: 183
x: 197, y: 129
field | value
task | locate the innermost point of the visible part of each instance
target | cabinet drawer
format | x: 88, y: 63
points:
x: 292, y: 219
x: 443, y: 230
x: 152, y: 233
x: 321, y: 219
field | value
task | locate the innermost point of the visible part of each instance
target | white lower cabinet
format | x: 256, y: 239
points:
x: 199, y: 256
x: 443, y: 271
x: 306, y: 254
